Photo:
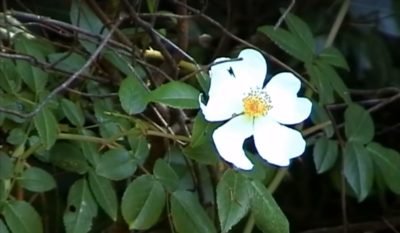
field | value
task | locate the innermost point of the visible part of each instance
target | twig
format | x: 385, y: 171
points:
x: 223, y: 39
x: 154, y: 35
x: 108, y: 95
x: 47, y: 66
x: 381, y: 91
x: 338, y: 22
x: 166, y: 15
x: 328, y: 43
x: 66, y: 83
x: 280, y: 20
x: 372, y: 226
x: 342, y: 144
x: 240, y: 40
x: 183, y: 27
x: 106, y: 21
x: 52, y: 22
x: 384, y: 103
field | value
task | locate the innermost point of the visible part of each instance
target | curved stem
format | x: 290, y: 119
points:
x: 87, y: 138
x: 167, y: 135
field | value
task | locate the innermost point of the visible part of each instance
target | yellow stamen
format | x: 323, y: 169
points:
x: 257, y: 103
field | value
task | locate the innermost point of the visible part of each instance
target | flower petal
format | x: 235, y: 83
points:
x: 283, y: 84
x: 289, y: 110
x: 251, y: 70
x: 221, y: 78
x: 277, y: 143
x: 225, y: 97
x: 229, y: 138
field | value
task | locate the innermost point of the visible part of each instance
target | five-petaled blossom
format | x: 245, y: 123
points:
x: 237, y: 93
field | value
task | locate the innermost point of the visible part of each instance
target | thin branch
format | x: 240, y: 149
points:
x: 47, y: 66
x: 244, y: 42
x: 66, y: 83
x: 338, y: 22
x: 372, y: 226
x: 183, y: 28
x: 154, y: 35
x: 166, y: 15
x: 108, y: 95
x: 52, y: 22
x: 108, y: 22
x: 280, y: 20
x: 384, y: 103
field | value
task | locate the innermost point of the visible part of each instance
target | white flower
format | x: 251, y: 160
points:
x: 237, y: 93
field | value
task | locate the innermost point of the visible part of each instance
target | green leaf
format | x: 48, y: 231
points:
x: 325, y: 90
x: 82, y: 16
x: 73, y: 112
x: 21, y: 217
x: 47, y: 127
x: 334, y: 57
x: 69, y: 157
x: 325, y: 154
x: 335, y: 81
x: 300, y: 29
x: 90, y: 149
x: 202, y: 131
x: 319, y: 116
x: 200, y: 148
x: 104, y: 193
x: 152, y: 5
x: 267, y: 214
x: 164, y: 173
x: 133, y: 95
x: 121, y: 62
x: 143, y: 202
x: 176, y: 94
x: 34, y: 77
x: 3, y: 227
x: 358, y: 124
x: 288, y: 42
x: 37, y: 180
x: 10, y: 81
x: 188, y: 215
x: 17, y: 136
x: 115, y: 164
x: 6, y: 166
x: 233, y: 199
x: 81, y: 208
x: 358, y: 169
x: 4, y: 190
x: 12, y: 103
x: 387, y: 162
x: 204, y: 81
x: 140, y: 147
x: 205, y: 153
x: 67, y: 61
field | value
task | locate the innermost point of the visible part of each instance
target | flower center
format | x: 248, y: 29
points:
x: 257, y: 103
